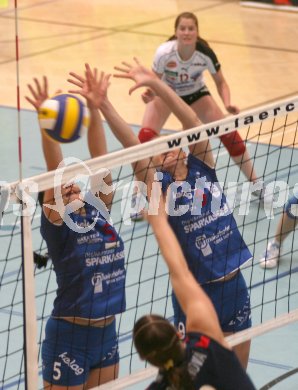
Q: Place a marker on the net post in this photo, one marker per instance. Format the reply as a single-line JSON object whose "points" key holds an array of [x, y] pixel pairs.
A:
{"points": [[30, 326]]}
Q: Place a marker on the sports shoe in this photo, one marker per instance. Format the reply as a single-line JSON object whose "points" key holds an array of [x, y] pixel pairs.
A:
{"points": [[137, 215], [271, 255]]}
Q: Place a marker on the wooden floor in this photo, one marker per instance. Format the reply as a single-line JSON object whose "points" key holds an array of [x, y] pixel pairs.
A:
{"points": [[258, 49]]}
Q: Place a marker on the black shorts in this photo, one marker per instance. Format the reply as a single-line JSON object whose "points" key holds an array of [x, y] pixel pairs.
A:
{"points": [[193, 97]]}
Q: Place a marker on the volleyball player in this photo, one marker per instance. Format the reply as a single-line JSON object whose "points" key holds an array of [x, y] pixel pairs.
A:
{"points": [[211, 242], [286, 224], [80, 349], [203, 357], [180, 62]]}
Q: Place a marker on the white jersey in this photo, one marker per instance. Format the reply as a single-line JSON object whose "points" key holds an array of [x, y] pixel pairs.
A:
{"points": [[185, 77]]}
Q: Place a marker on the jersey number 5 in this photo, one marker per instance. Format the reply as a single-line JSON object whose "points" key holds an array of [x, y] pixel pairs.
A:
{"points": [[57, 371]]}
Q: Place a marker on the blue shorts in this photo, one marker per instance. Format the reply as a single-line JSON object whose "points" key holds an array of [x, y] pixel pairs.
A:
{"points": [[292, 212], [231, 301], [70, 351]]}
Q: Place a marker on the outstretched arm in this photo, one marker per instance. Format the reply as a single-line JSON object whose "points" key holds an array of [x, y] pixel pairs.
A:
{"points": [[96, 135], [144, 77], [51, 150], [95, 92], [143, 169], [199, 311], [122, 131]]}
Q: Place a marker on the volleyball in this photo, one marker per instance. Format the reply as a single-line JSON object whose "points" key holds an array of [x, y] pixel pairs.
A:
{"points": [[64, 118]]}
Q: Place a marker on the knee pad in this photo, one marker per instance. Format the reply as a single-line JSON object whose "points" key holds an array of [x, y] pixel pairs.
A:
{"points": [[234, 143], [146, 134]]}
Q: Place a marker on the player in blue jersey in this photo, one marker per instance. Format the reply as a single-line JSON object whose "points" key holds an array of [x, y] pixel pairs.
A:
{"points": [[286, 224], [210, 239], [203, 357], [80, 349]]}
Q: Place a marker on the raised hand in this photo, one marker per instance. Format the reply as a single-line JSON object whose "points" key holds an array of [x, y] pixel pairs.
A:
{"points": [[93, 87], [39, 92], [138, 73], [80, 82]]}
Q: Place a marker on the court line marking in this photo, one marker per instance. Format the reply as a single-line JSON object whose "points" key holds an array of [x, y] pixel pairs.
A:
{"points": [[279, 379]]}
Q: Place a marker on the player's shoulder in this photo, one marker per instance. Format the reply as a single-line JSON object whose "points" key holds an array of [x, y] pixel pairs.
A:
{"points": [[204, 48], [167, 47]]}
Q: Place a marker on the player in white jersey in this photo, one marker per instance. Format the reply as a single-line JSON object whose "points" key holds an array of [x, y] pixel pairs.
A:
{"points": [[185, 77], [180, 62]]}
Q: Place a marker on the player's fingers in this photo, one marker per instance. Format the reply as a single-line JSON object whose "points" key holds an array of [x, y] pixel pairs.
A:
{"points": [[37, 86], [120, 69], [32, 91], [77, 76], [31, 101], [126, 64], [75, 82], [45, 84]]}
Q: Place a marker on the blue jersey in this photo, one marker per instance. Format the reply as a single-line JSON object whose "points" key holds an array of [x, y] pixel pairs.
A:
{"points": [[207, 231], [89, 266], [211, 364]]}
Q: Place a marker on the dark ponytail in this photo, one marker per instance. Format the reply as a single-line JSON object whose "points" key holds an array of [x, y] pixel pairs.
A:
{"points": [[157, 341], [188, 15], [179, 377]]}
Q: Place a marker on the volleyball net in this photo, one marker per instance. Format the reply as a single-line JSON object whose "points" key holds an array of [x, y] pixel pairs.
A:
{"points": [[28, 290]]}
